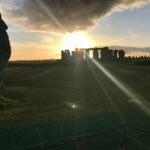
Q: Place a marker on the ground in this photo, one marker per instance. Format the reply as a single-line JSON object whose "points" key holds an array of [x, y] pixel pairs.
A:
{"points": [[50, 104]]}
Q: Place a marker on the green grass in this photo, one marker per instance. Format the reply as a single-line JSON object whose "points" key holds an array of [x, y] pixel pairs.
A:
{"points": [[43, 97]]}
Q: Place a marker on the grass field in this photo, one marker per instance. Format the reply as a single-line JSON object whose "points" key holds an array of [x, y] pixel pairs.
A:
{"points": [[50, 104]]}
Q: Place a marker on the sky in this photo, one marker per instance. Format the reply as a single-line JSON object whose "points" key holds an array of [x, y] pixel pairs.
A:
{"points": [[40, 29]]}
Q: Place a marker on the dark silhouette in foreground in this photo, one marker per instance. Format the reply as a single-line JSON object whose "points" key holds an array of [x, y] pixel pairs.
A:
{"points": [[5, 49]]}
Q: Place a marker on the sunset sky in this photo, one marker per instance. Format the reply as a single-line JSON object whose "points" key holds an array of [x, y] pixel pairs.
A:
{"points": [[40, 29]]}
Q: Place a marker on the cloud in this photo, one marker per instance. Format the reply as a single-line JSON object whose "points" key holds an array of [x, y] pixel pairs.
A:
{"points": [[64, 15]]}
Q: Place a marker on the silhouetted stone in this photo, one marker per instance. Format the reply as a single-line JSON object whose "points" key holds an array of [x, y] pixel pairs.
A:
{"points": [[87, 53], [106, 54], [115, 54], [121, 54], [95, 53], [62, 55], [65, 55]]}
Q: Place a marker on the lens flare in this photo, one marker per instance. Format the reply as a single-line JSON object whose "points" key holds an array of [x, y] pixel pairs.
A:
{"points": [[73, 105]]}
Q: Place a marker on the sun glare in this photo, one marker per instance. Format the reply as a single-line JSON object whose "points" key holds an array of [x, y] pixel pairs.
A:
{"points": [[76, 40]]}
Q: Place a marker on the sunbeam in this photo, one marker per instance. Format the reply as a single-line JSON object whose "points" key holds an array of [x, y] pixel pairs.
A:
{"points": [[50, 14], [105, 91], [130, 93]]}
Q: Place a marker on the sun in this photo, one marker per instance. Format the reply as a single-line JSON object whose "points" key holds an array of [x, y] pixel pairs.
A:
{"points": [[76, 40]]}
